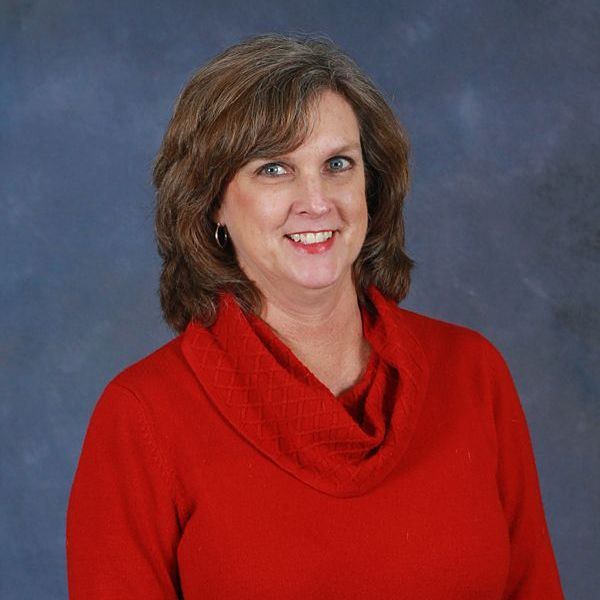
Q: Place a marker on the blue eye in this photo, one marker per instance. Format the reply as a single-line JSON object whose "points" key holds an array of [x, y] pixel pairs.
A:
{"points": [[272, 169], [339, 163]]}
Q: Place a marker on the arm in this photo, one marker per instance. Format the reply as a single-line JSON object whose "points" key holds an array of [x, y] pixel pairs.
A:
{"points": [[122, 520], [532, 570]]}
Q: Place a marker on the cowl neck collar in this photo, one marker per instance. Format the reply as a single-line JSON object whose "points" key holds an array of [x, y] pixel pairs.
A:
{"points": [[343, 446]]}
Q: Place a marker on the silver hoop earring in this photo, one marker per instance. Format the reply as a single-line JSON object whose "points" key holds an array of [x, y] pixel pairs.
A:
{"points": [[221, 239]]}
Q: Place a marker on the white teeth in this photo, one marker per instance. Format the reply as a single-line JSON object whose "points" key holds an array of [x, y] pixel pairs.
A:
{"points": [[311, 238]]}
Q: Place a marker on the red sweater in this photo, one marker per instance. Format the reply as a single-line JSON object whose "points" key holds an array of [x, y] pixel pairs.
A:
{"points": [[220, 467]]}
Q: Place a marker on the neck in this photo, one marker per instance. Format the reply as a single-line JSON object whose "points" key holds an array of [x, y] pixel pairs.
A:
{"points": [[325, 333], [318, 312]]}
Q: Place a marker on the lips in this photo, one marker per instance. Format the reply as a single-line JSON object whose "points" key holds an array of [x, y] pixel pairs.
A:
{"points": [[311, 237], [312, 242]]}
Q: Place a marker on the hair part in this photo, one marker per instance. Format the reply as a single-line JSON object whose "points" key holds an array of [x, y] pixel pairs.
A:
{"points": [[256, 99]]}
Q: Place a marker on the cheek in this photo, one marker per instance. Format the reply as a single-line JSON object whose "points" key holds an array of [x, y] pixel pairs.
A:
{"points": [[241, 213], [253, 221], [361, 219], [358, 207], [358, 197], [269, 215]]}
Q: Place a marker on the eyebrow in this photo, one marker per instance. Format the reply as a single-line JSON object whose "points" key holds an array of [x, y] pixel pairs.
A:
{"points": [[349, 147]]}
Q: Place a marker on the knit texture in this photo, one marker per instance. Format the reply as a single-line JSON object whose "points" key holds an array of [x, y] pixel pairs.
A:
{"points": [[290, 416], [220, 467]]}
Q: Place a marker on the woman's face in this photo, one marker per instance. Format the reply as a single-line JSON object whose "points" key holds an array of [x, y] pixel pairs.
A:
{"points": [[299, 220]]}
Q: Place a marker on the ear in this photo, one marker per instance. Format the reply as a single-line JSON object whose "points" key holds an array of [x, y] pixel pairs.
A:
{"points": [[217, 214]]}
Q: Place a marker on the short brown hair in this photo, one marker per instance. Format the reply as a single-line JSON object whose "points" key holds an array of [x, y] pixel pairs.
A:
{"points": [[254, 99]]}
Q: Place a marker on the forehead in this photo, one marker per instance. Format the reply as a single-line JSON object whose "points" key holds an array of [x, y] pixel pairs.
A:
{"points": [[332, 115], [330, 125]]}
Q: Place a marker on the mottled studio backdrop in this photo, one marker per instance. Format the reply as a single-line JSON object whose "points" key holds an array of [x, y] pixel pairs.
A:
{"points": [[502, 103]]}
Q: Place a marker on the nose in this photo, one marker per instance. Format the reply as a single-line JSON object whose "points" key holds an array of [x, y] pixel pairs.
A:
{"points": [[312, 197]]}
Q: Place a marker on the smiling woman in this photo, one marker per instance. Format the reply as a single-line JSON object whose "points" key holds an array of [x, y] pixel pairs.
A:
{"points": [[313, 194], [241, 123], [302, 436]]}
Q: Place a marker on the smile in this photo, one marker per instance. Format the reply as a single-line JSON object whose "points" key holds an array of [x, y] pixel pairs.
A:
{"points": [[308, 238]]}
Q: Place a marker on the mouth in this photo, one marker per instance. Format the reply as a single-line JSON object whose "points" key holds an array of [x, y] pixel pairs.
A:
{"points": [[307, 238]]}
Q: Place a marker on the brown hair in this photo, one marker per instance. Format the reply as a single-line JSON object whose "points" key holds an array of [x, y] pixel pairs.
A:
{"points": [[254, 99]]}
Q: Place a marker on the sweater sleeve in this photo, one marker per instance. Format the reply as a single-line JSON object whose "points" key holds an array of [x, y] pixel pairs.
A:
{"points": [[532, 570], [122, 519]]}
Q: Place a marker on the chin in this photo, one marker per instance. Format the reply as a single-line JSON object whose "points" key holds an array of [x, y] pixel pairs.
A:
{"points": [[315, 284], [317, 280]]}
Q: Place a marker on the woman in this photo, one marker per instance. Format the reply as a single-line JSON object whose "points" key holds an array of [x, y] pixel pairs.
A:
{"points": [[302, 436]]}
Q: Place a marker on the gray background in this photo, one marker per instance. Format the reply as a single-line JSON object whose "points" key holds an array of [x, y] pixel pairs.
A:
{"points": [[502, 103]]}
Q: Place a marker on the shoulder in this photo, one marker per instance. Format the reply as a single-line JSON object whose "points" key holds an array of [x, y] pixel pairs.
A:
{"points": [[457, 351], [151, 399], [441, 338], [158, 382], [442, 344], [162, 366], [467, 366], [463, 354]]}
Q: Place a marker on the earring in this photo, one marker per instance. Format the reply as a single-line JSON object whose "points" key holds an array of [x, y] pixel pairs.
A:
{"points": [[221, 239]]}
